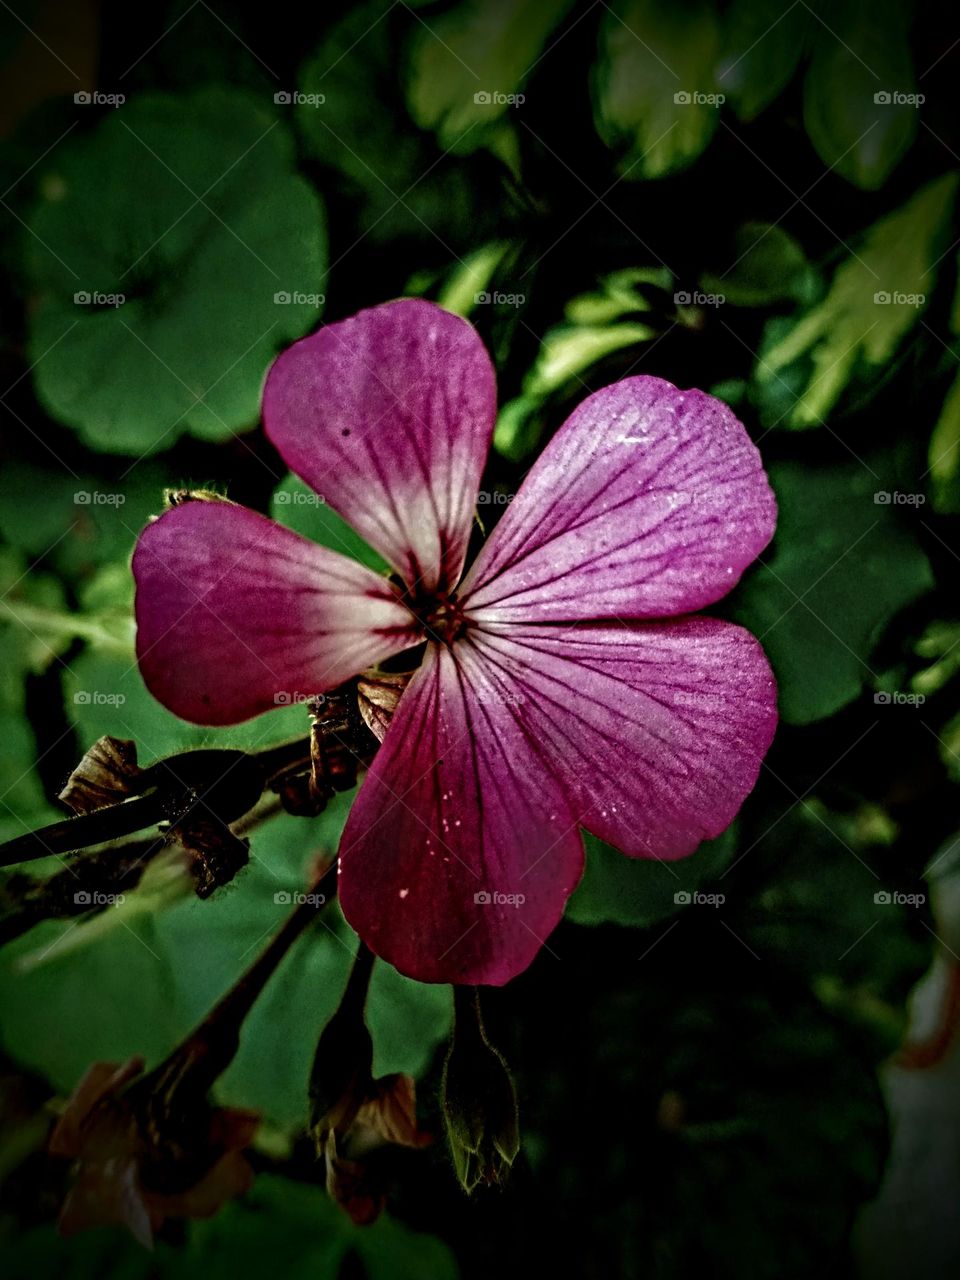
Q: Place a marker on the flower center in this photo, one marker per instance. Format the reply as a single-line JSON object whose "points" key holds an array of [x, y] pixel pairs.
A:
{"points": [[442, 618]]}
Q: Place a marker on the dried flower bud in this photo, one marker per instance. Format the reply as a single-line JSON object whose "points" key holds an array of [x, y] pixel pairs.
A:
{"points": [[130, 1171], [351, 1114]]}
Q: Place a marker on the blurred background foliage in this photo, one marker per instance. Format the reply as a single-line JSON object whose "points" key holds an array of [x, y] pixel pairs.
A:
{"points": [[745, 197]]}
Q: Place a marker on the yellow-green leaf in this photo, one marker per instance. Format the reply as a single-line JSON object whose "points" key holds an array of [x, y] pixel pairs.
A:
{"points": [[877, 295], [468, 67], [654, 86]]}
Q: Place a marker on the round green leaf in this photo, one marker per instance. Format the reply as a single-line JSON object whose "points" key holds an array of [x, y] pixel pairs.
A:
{"points": [[616, 889], [842, 564], [172, 253], [295, 505]]}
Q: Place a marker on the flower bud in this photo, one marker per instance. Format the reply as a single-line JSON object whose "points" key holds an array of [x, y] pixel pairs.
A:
{"points": [[343, 1062], [479, 1101]]}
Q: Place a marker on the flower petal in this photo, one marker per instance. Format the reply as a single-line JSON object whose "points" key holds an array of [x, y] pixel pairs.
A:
{"points": [[460, 850], [388, 415], [236, 614], [648, 502], [656, 730]]}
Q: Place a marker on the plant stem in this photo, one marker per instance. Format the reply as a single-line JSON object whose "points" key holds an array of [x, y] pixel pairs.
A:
{"points": [[217, 1038]]}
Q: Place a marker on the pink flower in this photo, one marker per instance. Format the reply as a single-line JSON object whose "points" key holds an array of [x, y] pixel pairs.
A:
{"points": [[560, 686]]}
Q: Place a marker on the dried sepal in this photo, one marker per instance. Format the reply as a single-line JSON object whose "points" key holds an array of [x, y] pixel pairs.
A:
{"points": [[378, 695], [216, 853], [107, 774], [339, 743]]}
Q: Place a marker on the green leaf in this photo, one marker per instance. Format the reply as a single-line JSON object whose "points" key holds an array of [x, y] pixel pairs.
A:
{"points": [[468, 66], [157, 978], [406, 186], [568, 351], [853, 95], [598, 324], [27, 646], [826, 915], [204, 246], [876, 297], [654, 88], [297, 1231], [763, 42], [84, 520], [620, 295], [843, 563], [520, 426], [769, 266], [27, 597], [296, 505], [944, 454], [616, 889], [105, 693], [407, 1020], [155, 982], [716, 1079], [468, 282], [281, 1227]]}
